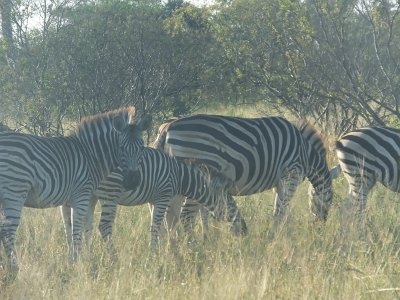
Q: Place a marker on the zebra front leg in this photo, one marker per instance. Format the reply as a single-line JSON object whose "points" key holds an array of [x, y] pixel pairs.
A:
{"points": [[108, 214], [156, 223], [67, 221], [89, 221], [79, 213], [284, 193], [238, 224], [10, 214]]}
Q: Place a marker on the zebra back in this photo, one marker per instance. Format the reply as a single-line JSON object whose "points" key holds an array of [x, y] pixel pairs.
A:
{"points": [[371, 153]]}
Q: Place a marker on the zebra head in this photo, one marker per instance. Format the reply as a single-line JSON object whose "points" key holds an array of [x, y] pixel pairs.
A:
{"points": [[131, 148], [225, 206], [320, 189], [320, 196]]}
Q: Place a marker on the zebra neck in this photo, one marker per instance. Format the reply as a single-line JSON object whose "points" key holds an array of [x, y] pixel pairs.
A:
{"points": [[102, 162], [320, 177]]}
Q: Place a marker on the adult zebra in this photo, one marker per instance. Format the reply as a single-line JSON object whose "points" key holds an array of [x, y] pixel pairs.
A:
{"points": [[42, 172], [254, 154], [161, 179], [366, 156]]}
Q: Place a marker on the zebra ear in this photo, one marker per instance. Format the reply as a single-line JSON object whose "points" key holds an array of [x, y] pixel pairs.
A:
{"points": [[119, 123], [335, 171], [145, 122]]}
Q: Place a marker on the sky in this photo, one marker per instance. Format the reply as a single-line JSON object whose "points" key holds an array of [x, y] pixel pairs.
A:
{"points": [[201, 2]]}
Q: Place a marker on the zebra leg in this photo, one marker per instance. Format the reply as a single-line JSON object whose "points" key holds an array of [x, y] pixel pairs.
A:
{"points": [[204, 215], [188, 215], [238, 224], [89, 220], [108, 213], [358, 193], [10, 215], [79, 213], [360, 182], [67, 221], [156, 223], [172, 216], [284, 192]]}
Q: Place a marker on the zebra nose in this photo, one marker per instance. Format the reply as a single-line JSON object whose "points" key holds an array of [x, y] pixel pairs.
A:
{"points": [[131, 180]]}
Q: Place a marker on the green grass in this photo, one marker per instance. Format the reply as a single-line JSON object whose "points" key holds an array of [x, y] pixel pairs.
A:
{"points": [[302, 262]]}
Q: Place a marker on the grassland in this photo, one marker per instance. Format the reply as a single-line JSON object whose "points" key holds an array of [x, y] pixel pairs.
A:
{"points": [[303, 262]]}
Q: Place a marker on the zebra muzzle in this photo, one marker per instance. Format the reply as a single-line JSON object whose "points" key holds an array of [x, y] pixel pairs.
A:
{"points": [[131, 180]]}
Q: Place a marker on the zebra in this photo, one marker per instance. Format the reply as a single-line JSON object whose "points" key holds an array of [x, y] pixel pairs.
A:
{"points": [[366, 156], [161, 178], [255, 154], [42, 172]]}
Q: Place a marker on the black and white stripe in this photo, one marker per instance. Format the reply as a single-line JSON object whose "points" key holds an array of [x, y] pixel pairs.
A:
{"points": [[161, 179], [254, 154], [366, 156], [42, 172]]}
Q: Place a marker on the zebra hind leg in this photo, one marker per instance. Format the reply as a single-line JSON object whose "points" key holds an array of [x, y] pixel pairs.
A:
{"points": [[157, 217], [172, 219], [358, 201]]}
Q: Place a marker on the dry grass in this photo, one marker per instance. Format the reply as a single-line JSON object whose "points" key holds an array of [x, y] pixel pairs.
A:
{"points": [[303, 262]]}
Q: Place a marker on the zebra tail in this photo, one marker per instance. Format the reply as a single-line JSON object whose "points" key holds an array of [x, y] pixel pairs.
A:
{"points": [[159, 143]]}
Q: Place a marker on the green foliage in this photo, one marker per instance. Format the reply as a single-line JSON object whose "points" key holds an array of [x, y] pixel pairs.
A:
{"points": [[333, 61]]}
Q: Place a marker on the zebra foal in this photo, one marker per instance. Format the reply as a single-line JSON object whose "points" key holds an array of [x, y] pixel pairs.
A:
{"points": [[366, 156], [255, 154], [42, 172], [161, 178]]}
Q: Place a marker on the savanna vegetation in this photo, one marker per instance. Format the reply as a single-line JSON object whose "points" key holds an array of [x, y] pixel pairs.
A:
{"points": [[336, 63], [302, 262]]}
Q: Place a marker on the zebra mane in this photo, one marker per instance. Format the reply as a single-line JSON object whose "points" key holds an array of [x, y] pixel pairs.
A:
{"points": [[129, 114], [312, 136]]}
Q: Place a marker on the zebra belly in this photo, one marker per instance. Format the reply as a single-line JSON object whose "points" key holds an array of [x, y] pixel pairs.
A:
{"points": [[132, 198], [37, 199]]}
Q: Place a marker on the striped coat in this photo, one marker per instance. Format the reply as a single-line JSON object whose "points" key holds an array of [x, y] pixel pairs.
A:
{"points": [[254, 154], [42, 172]]}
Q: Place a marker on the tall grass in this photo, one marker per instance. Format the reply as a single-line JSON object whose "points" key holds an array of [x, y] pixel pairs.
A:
{"points": [[304, 261]]}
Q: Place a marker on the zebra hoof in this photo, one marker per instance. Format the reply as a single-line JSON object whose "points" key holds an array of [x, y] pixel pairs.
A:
{"points": [[10, 275], [239, 228]]}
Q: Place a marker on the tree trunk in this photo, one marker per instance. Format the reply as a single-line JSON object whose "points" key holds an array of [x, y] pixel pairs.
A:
{"points": [[6, 25]]}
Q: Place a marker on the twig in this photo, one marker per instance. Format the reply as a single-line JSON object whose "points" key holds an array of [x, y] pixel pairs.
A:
{"points": [[384, 290]]}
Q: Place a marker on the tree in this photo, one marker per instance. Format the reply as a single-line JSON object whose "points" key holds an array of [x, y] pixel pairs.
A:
{"points": [[327, 59]]}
